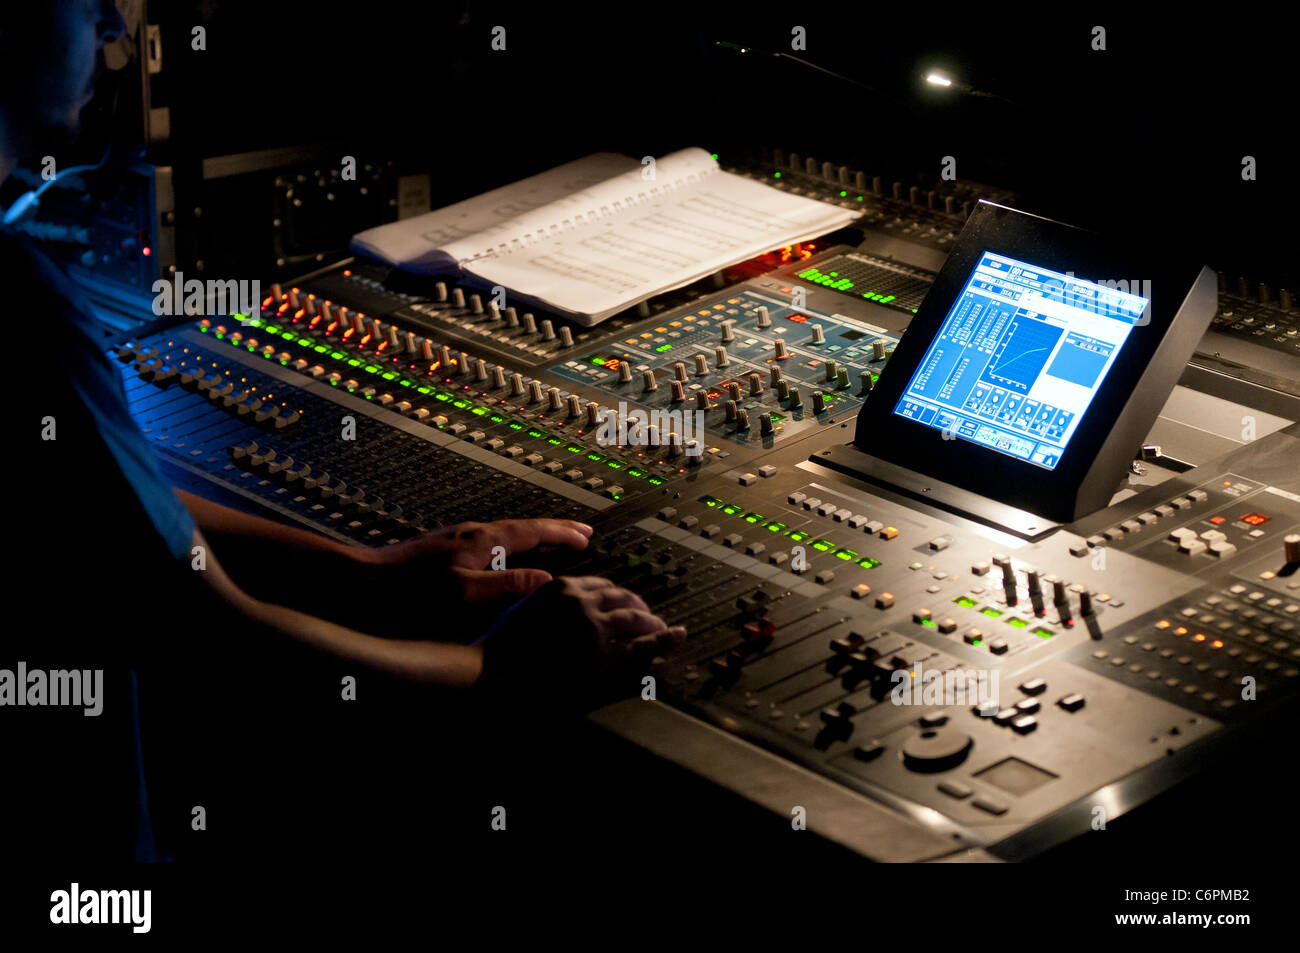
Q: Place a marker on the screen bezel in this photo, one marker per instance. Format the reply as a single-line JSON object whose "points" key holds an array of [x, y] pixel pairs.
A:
{"points": [[1050, 245]]}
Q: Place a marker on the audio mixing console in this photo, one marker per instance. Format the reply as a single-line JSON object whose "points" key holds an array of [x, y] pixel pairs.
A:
{"points": [[1111, 653]]}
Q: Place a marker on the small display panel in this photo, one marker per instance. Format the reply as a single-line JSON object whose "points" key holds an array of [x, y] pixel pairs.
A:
{"points": [[1020, 357]]}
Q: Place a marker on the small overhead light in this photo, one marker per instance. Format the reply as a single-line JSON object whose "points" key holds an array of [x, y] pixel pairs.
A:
{"points": [[935, 78]]}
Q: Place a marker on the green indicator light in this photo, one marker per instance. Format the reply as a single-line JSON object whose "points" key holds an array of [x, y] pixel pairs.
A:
{"points": [[842, 194], [389, 376], [220, 336], [497, 419], [598, 361], [993, 613], [371, 368], [775, 527], [478, 411], [320, 349], [272, 329], [288, 335], [868, 563], [424, 390], [634, 471], [663, 347], [930, 622], [798, 535], [655, 481], [709, 501], [835, 274], [516, 425], [1017, 623], [306, 342], [337, 355], [978, 643], [595, 457], [823, 545], [731, 509], [776, 417], [754, 518], [859, 198], [441, 396], [965, 601], [539, 434], [1044, 633], [405, 383], [460, 404], [847, 555], [888, 298], [776, 174], [715, 157], [575, 448], [554, 441], [615, 464], [354, 363]]}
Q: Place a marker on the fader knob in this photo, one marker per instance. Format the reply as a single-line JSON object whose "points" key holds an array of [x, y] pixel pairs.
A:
{"points": [[530, 323], [512, 317], [624, 373], [764, 319], [679, 392], [548, 330], [701, 365], [516, 385], [492, 312], [593, 414], [774, 370], [765, 425], [498, 378], [733, 391], [819, 402], [832, 368], [878, 350], [444, 358], [742, 419], [720, 358], [865, 382], [842, 378], [818, 336], [756, 384], [1291, 547], [480, 370], [730, 408], [476, 304], [574, 407], [701, 400], [795, 399], [566, 336], [648, 382], [408, 342], [426, 350], [778, 349], [463, 363], [553, 401], [679, 371], [534, 391], [457, 298], [728, 334], [440, 291]]}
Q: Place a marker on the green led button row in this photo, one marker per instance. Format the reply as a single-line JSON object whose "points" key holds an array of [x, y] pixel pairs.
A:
{"points": [[1015, 622]]}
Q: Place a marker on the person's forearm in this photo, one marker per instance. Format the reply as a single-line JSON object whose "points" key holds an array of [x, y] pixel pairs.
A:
{"points": [[430, 663], [229, 525]]}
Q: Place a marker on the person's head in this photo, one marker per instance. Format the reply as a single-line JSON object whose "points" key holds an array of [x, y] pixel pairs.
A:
{"points": [[51, 52]]}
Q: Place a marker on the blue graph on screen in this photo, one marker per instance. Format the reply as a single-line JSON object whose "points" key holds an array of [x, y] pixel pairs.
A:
{"points": [[1021, 354]]}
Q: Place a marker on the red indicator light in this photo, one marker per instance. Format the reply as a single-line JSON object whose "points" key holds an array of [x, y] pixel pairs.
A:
{"points": [[797, 318], [146, 251], [1216, 520], [1255, 519]]}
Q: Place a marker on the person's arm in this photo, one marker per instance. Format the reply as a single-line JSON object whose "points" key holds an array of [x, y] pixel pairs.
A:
{"points": [[565, 626], [424, 662]]}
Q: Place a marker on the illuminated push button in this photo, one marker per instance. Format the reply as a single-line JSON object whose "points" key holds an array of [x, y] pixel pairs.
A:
{"points": [[888, 532], [885, 600], [971, 636], [1035, 686], [860, 591], [1072, 702]]}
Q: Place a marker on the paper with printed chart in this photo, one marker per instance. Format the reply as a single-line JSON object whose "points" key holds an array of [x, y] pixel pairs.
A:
{"points": [[592, 251]]}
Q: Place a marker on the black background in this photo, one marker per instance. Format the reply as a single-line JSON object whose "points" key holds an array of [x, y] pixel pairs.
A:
{"points": [[1144, 138]]}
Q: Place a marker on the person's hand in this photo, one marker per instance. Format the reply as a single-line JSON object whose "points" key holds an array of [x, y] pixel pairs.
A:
{"points": [[467, 550], [579, 625]]}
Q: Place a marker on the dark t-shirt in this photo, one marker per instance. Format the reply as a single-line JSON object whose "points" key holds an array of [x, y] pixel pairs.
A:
{"points": [[98, 542]]}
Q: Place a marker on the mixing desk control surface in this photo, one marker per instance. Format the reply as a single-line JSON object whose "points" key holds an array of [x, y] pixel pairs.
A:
{"points": [[958, 686]]}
